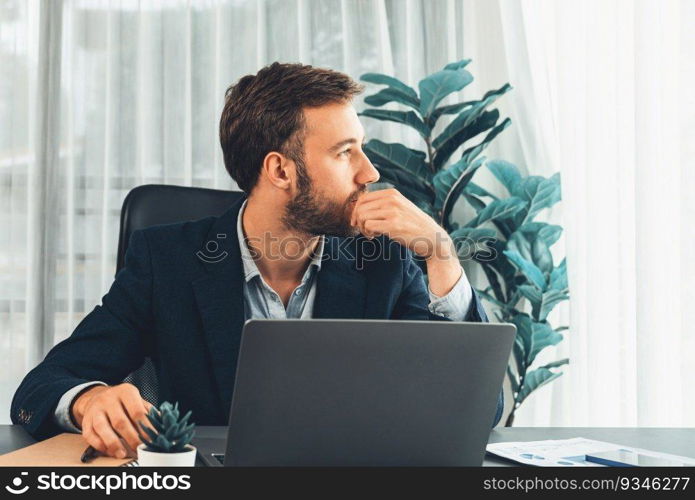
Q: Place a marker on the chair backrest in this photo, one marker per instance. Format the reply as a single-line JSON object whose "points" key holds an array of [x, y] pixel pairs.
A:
{"points": [[154, 204]]}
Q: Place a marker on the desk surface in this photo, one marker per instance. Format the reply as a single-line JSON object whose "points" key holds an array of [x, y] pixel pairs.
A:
{"points": [[676, 441]]}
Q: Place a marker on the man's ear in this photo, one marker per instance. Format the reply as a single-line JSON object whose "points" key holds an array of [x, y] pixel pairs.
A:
{"points": [[278, 170]]}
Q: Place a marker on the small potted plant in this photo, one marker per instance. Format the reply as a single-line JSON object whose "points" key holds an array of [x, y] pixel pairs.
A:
{"points": [[169, 438]]}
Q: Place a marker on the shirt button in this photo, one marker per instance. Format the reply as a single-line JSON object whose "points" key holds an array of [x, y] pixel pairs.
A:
{"points": [[297, 291]]}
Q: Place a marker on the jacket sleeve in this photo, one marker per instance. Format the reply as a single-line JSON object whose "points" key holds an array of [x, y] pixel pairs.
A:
{"points": [[412, 304], [108, 344]]}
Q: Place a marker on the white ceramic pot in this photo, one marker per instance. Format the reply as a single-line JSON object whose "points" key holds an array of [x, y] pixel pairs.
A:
{"points": [[156, 459]]}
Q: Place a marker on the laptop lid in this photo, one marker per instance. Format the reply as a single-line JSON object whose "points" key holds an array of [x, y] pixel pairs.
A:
{"points": [[366, 392]]}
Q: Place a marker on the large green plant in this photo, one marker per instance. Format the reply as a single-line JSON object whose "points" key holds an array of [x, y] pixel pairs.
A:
{"points": [[515, 251], [520, 269]]}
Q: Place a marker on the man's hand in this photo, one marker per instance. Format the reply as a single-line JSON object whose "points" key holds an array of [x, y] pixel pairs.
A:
{"points": [[389, 212], [107, 414]]}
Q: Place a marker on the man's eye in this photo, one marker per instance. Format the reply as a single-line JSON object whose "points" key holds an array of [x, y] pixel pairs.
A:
{"points": [[345, 152]]}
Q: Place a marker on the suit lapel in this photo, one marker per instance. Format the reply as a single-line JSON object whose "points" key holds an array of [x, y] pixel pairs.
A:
{"points": [[219, 296]]}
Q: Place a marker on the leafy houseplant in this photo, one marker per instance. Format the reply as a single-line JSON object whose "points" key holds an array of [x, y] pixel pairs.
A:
{"points": [[515, 253], [169, 438], [519, 265]]}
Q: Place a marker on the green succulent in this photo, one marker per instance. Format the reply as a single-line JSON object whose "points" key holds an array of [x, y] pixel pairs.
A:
{"points": [[171, 434]]}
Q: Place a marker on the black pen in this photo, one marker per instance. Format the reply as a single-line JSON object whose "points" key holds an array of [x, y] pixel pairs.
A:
{"points": [[89, 454]]}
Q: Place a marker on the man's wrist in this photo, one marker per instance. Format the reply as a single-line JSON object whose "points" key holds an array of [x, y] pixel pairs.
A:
{"points": [[77, 407], [442, 250], [443, 267]]}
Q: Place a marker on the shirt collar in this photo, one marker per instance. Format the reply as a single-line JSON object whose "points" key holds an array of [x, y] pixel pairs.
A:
{"points": [[250, 268]]}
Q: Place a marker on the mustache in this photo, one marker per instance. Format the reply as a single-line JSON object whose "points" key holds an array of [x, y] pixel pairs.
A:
{"points": [[357, 193]]}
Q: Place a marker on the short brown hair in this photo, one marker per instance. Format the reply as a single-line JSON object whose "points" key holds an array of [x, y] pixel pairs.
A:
{"points": [[263, 113]]}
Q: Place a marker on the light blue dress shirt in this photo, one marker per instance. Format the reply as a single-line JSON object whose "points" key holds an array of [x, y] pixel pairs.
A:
{"points": [[261, 301]]}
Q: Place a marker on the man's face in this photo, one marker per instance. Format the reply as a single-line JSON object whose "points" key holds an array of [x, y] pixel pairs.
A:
{"points": [[334, 171]]}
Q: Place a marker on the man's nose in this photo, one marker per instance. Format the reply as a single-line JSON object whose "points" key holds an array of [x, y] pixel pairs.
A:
{"points": [[368, 173]]}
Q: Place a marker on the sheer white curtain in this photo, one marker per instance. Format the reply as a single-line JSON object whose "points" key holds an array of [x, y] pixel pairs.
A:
{"points": [[603, 96], [98, 96]]}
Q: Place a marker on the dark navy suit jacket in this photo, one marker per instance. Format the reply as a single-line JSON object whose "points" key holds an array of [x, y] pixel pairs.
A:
{"points": [[182, 306]]}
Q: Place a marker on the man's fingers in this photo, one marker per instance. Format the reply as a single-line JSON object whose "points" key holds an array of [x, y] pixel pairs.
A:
{"points": [[124, 427], [375, 227], [361, 204], [378, 195], [376, 214], [136, 408], [102, 427], [91, 437]]}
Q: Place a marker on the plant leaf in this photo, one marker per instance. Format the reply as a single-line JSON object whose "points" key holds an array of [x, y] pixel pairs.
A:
{"points": [[449, 109], [541, 255], [473, 234], [395, 83], [558, 277], [410, 186], [524, 331], [550, 299], [518, 243], [471, 238], [437, 86], [547, 232], [493, 278], [543, 336], [448, 197], [519, 354], [498, 209], [149, 432], [456, 65], [491, 299], [473, 188], [535, 379], [389, 94], [458, 132], [470, 114], [541, 193], [533, 294], [528, 269], [531, 248], [405, 117], [475, 202], [506, 173], [501, 265], [512, 379], [397, 155], [161, 444], [474, 151], [557, 363]]}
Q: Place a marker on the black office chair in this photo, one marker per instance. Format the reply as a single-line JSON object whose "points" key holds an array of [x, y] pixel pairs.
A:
{"points": [[154, 204]]}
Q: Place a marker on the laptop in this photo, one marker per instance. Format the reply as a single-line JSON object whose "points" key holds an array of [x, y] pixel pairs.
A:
{"points": [[363, 393]]}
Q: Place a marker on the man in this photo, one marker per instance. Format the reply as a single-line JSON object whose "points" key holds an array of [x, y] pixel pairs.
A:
{"points": [[294, 248]]}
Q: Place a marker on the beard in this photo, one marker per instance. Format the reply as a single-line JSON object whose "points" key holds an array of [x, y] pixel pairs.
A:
{"points": [[312, 214]]}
